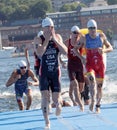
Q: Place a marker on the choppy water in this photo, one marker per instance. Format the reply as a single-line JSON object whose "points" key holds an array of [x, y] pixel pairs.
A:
{"points": [[7, 95]]}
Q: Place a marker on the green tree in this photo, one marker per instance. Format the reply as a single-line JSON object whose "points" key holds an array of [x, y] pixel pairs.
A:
{"points": [[71, 7], [65, 7], [40, 8], [23, 9], [22, 12]]}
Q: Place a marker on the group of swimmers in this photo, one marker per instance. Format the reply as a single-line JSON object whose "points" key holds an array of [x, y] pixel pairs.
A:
{"points": [[86, 73]]}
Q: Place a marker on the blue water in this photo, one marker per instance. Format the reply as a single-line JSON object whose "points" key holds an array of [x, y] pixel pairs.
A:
{"points": [[7, 95]]}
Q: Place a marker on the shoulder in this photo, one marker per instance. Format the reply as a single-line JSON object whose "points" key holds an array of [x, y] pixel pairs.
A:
{"points": [[102, 35], [38, 40], [67, 41], [82, 38], [14, 73], [59, 36], [30, 72]]}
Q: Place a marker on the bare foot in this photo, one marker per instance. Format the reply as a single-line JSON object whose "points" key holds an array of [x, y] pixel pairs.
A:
{"points": [[82, 109], [91, 107], [47, 127], [97, 109], [58, 109], [75, 104]]}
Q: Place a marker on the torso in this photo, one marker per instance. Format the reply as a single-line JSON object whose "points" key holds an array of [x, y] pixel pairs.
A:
{"points": [[22, 82], [73, 60], [94, 59], [49, 61]]}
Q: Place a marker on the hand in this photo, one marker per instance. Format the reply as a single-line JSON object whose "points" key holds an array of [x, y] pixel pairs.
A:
{"points": [[100, 50], [64, 65], [30, 83], [47, 34], [53, 34], [36, 41]]}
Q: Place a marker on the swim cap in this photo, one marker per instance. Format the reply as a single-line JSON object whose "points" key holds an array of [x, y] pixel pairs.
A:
{"points": [[91, 23], [75, 29], [47, 22], [22, 63], [40, 33]]}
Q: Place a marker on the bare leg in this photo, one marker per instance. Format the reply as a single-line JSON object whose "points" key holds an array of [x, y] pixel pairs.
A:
{"points": [[57, 101], [99, 97], [86, 91], [20, 104], [92, 89], [86, 95], [29, 99], [81, 87], [77, 94], [71, 91], [45, 107]]}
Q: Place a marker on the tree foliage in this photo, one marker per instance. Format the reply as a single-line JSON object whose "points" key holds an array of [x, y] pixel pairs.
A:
{"points": [[71, 7], [23, 9]]}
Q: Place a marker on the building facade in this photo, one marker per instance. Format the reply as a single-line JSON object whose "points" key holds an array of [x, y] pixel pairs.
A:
{"points": [[19, 36], [63, 21], [106, 17]]}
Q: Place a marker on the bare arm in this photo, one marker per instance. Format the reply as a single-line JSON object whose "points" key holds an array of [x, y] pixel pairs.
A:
{"points": [[34, 78], [27, 57], [26, 51], [42, 47], [13, 78], [77, 47], [59, 42], [108, 47], [63, 63]]}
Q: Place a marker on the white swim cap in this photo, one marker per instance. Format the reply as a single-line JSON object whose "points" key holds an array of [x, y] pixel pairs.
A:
{"points": [[22, 63], [75, 29], [91, 23], [40, 33], [47, 22]]}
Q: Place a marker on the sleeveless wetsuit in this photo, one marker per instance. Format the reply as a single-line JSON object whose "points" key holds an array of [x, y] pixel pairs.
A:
{"points": [[50, 69], [75, 67], [95, 62], [21, 85]]}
